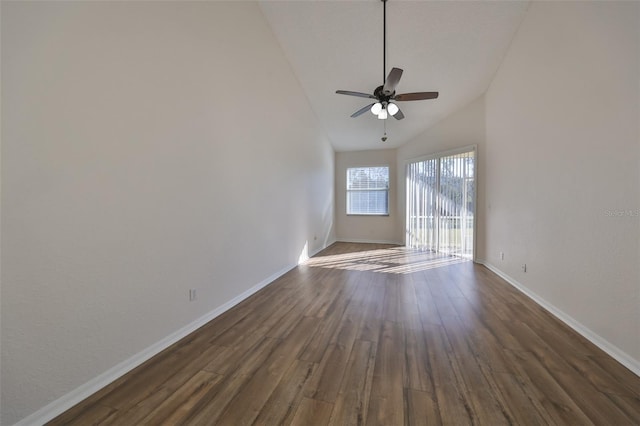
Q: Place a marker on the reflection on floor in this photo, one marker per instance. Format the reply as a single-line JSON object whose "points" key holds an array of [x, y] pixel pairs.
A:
{"points": [[387, 259]]}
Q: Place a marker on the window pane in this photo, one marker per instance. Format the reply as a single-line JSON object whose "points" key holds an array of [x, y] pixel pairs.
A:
{"points": [[368, 190], [367, 202], [368, 178]]}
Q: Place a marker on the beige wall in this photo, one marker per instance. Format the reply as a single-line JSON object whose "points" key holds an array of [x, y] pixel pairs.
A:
{"points": [[562, 172], [462, 128], [137, 163], [366, 228]]}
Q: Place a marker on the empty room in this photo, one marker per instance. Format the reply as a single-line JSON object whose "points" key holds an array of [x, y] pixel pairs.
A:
{"points": [[375, 212]]}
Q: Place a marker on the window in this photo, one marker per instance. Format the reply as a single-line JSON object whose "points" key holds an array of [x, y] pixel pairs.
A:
{"points": [[441, 203], [368, 190]]}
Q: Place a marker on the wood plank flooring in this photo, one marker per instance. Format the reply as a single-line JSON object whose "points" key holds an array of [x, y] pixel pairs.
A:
{"points": [[375, 335]]}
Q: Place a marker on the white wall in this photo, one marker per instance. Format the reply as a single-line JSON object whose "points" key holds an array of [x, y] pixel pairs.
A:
{"points": [[462, 128], [562, 157], [147, 148], [366, 228]]}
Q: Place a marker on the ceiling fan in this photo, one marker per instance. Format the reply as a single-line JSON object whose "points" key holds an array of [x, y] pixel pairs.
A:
{"points": [[385, 95]]}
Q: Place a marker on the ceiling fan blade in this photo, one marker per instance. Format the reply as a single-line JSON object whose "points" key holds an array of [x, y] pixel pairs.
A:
{"points": [[392, 81], [417, 96], [398, 115], [362, 110], [359, 94]]}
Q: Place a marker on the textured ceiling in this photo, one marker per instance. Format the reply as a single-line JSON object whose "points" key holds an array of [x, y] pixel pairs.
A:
{"points": [[453, 47]]}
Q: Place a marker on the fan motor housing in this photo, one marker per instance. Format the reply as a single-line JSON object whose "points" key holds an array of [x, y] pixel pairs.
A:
{"points": [[379, 93]]}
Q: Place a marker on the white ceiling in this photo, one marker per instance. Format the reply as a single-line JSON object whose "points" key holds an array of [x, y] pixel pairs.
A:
{"points": [[453, 47]]}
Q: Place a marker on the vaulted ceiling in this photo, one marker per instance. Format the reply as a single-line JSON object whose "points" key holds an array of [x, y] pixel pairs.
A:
{"points": [[453, 47]]}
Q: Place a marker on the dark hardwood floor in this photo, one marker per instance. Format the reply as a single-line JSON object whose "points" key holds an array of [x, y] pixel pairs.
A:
{"points": [[373, 334]]}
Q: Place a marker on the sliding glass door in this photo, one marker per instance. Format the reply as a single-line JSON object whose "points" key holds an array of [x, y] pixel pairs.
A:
{"points": [[441, 203]]}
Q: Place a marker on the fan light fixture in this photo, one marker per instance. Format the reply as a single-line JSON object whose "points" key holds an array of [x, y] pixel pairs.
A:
{"points": [[382, 95]]}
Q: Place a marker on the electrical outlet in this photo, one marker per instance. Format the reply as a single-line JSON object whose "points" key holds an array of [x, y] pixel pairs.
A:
{"points": [[192, 294], [501, 255], [524, 268]]}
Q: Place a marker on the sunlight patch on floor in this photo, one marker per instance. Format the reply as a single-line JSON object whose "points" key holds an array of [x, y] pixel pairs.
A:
{"points": [[397, 260]]}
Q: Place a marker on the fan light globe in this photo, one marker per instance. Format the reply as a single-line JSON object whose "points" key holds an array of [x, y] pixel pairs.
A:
{"points": [[376, 108], [382, 115], [392, 108]]}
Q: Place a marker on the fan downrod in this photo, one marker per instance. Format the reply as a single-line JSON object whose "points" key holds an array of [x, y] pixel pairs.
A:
{"points": [[385, 95]]}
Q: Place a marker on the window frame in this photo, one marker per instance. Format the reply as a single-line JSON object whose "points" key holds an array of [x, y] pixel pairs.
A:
{"points": [[385, 190]]}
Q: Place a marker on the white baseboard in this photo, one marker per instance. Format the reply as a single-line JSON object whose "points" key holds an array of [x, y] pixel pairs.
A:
{"points": [[615, 352], [60, 405], [350, 240]]}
